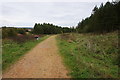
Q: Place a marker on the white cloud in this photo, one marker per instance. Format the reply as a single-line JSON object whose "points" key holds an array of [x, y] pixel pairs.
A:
{"points": [[55, 0], [58, 13]]}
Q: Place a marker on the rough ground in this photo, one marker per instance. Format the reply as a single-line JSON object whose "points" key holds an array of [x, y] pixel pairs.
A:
{"points": [[43, 61]]}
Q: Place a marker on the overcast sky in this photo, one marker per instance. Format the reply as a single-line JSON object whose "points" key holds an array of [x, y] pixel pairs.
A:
{"points": [[63, 13]]}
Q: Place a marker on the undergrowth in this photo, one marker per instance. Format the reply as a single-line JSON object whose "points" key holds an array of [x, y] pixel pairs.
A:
{"points": [[90, 55], [12, 51]]}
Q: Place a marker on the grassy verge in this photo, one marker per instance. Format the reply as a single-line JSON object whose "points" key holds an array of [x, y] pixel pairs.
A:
{"points": [[12, 51], [90, 56]]}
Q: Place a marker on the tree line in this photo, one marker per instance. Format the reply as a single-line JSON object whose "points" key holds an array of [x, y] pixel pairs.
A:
{"points": [[105, 18], [47, 28]]}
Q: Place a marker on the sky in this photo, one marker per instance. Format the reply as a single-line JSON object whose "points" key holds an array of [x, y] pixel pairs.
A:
{"points": [[24, 13]]}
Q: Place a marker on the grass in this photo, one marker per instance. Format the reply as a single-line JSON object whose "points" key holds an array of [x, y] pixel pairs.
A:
{"points": [[90, 55], [12, 51]]}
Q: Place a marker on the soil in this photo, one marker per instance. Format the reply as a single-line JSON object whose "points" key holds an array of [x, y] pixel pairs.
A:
{"points": [[43, 61]]}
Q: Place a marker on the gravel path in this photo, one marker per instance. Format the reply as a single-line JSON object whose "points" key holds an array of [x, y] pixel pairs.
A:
{"points": [[43, 61]]}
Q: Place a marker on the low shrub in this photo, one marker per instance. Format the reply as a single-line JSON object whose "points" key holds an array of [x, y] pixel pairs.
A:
{"points": [[22, 38]]}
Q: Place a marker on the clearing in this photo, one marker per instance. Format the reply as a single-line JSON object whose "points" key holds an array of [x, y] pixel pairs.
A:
{"points": [[43, 61]]}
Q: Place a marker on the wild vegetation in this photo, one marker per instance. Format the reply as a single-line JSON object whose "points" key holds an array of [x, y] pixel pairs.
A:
{"points": [[106, 18], [90, 55], [12, 51], [8, 32], [94, 52], [47, 28], [89, 51], [15, 43]]}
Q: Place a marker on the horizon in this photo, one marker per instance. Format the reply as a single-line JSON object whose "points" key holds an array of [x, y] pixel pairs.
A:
{"points": [[26, 14]]}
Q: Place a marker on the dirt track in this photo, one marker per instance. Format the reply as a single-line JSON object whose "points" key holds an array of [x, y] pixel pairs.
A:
{"points": [[43, 61]]}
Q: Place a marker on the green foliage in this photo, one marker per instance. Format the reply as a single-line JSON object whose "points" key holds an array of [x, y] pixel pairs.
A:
{"points": [[12, 51], [90, 55], [47, 28], [103, 19], [21, 31], [22, 38], [8, 32]]}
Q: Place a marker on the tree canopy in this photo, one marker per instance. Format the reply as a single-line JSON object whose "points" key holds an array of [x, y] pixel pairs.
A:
{"points": [[103, 19], [47, 28]]}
